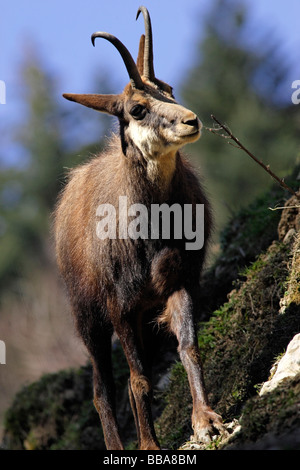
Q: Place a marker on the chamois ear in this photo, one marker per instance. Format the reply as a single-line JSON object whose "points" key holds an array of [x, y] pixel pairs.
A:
{"points": [[110, 104], [140, 57]]}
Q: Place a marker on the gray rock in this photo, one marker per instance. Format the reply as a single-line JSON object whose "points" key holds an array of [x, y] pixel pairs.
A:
{"points": [[288, 366]]}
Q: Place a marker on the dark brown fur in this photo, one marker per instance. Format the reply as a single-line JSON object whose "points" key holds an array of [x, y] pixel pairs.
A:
{"points": [[125, 285]]}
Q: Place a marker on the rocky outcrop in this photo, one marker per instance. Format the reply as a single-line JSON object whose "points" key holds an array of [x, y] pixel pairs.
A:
{"points": [[286, 368], [241, 343]]}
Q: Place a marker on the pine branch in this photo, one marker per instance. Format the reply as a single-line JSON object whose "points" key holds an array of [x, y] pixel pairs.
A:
{"points": [[239, 145]]}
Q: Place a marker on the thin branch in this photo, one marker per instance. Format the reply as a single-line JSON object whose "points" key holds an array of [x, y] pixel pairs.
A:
{"points": [[284, 207], [242, 147]]}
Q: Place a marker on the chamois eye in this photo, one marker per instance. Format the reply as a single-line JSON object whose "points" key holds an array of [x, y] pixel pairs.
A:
{"points": [[138, 111]]}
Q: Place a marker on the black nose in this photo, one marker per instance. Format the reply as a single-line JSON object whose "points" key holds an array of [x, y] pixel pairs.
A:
{"points": [[192, 123]]}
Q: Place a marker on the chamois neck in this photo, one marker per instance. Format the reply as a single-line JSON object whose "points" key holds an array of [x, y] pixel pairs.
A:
{"points": [[158, 169], [158, 173]]}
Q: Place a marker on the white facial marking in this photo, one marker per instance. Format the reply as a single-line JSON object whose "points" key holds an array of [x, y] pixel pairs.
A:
{"points": [[160, 162], [144, 138], [159, 144]]}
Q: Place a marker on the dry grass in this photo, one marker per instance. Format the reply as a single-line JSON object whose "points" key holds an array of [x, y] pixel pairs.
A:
{"points": [[38, 331]]}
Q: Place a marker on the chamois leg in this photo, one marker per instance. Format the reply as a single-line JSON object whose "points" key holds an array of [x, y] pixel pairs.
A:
{"points": [[140, 389], [134, 411], [104, 399], [97, 339], [179, 314]]}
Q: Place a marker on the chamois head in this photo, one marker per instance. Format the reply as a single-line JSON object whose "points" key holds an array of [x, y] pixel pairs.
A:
{"points": [[147, 110]]}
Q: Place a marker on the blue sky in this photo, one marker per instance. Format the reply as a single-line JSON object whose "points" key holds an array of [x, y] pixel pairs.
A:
{"points": [[60, 30]]}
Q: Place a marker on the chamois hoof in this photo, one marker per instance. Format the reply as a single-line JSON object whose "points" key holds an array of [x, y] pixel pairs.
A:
{"points": [[209, 426]]}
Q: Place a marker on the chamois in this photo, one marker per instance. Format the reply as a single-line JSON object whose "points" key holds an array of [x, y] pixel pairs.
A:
{"points": [[127, 284]]}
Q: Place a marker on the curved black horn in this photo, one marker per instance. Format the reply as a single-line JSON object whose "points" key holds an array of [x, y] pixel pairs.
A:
{"points": [[148, 51], [130, 65]]}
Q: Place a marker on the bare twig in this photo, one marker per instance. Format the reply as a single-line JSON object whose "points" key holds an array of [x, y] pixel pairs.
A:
{"points": [[239, 145], [284, 207]]}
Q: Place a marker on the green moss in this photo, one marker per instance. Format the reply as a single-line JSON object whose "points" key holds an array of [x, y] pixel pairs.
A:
{"points": [[292, 293], [275, 412], [238, 343], [52, 412], [247, 332], [256, 222], [246, 236], [255, 226], [57, 412], [174, 423]]}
